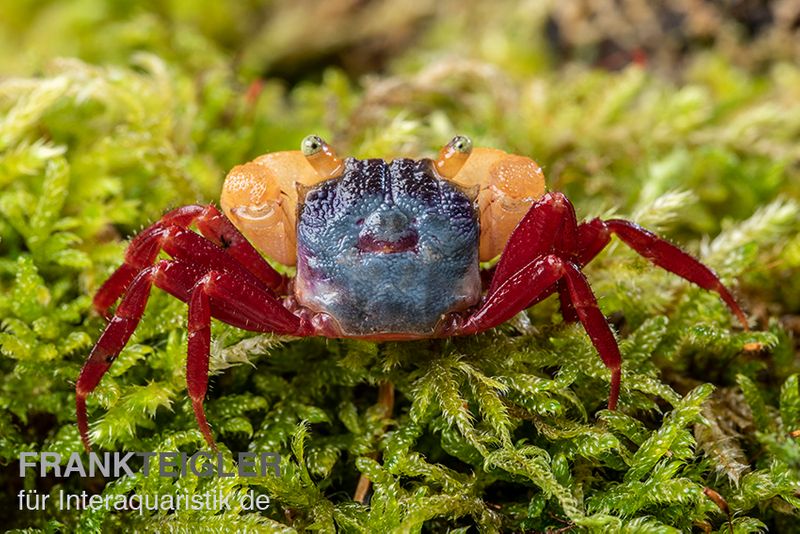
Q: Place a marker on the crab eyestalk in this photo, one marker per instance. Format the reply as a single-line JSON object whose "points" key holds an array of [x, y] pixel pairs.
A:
{"points": [[453, 156], [321, 156]]}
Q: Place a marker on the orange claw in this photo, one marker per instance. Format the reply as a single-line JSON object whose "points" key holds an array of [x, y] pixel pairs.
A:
{"points": [[260, 197], [509, 184]]}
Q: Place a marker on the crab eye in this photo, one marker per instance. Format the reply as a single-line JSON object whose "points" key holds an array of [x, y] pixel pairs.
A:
{"points": [[462, 144], [453, 156], [321, 156], [312, 144]]}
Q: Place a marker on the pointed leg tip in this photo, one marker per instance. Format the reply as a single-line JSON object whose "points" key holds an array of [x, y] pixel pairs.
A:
{"points": [[742, 319], [737, 311], [83, 421], [205, 429], [613, 395]]}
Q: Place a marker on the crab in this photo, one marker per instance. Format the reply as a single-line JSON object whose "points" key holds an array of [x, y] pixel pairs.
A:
{"points": [[383, 250]]}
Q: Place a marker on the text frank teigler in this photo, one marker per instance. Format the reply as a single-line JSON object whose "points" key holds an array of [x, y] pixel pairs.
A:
{"points": [[162, 464]]}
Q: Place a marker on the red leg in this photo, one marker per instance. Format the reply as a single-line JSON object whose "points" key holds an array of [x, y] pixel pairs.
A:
{"points": [[229, 297], [595, 235], [111, 342], [141, 253], [594, 322], [546, 252], [527, 285], [199, 322], [548, 227], [535, 236], [514, 294], [145, 247], [192, 248], [216, 227], [567, 309], [195, 256], [525, 275]]}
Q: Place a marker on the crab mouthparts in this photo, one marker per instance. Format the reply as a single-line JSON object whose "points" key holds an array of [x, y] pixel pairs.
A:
{"points": [[370, 243], [387, 230]]}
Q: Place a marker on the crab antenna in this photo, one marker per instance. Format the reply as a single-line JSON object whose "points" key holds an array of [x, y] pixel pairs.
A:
{"points": [[321, 156], [453, 156]]}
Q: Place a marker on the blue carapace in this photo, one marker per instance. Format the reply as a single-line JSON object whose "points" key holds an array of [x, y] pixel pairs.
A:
{"points": [[387, 247]]}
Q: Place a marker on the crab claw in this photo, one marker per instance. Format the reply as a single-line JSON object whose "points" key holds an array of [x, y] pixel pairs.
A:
{"points": [[260, 197], [508, 184]]}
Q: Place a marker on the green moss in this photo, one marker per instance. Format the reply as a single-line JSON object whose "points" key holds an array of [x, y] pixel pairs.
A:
{"points": [[505, 430]]}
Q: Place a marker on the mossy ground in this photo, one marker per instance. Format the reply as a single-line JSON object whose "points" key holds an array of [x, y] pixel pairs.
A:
{"points": [[503, 431]]}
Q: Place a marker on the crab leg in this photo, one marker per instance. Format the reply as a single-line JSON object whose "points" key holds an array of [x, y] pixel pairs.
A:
{"points": [[199, 347], [549, 226], [540, 258], [535, 279], [568, 311], [233, 298], [594, 322], [227, 296], [217, 228], [594, 235], [535, 236], [515, 294], [144, 249], [111, 342], [141, 253]]}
